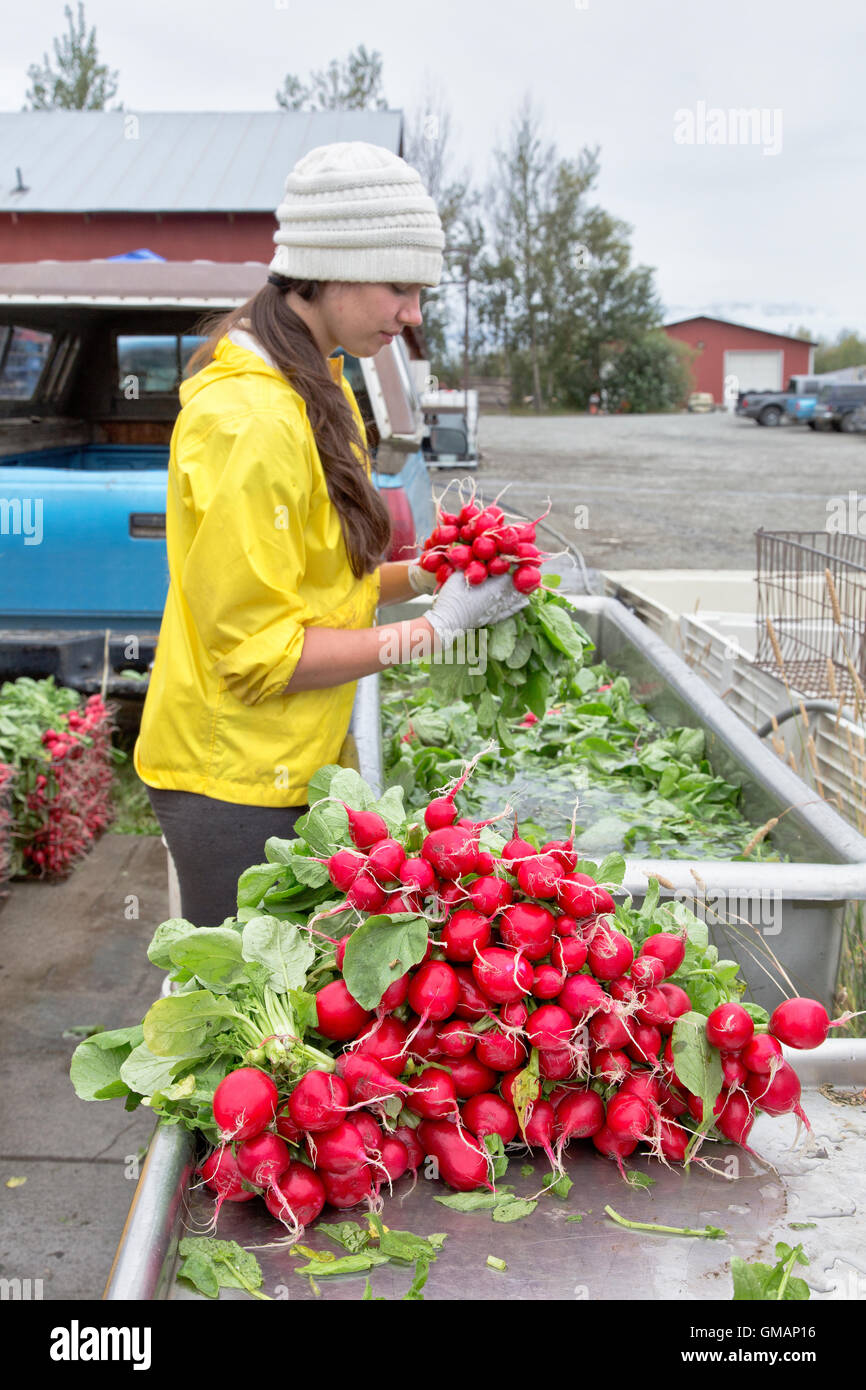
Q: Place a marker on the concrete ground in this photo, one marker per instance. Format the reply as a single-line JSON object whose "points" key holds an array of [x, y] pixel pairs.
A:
{"points": [[71, 957], [666, 491]]}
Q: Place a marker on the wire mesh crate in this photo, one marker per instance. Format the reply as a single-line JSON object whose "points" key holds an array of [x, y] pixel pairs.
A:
{"points": [[811, 611]]}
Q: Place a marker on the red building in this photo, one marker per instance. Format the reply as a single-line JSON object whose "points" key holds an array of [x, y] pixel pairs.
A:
{"points": [[749, 359]]}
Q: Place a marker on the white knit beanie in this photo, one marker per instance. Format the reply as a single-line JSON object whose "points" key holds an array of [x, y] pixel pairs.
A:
{"points": [[354, 211]]}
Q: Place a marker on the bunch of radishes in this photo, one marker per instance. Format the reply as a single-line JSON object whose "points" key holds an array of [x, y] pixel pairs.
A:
{"points": [[481, 542], [530, 1016]]}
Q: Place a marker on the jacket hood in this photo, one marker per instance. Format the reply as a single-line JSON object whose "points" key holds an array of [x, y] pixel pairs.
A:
{"points": [[230, 360]]}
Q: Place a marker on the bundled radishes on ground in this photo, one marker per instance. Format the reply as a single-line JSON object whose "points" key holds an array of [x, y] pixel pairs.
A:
{"points": [[454, 998], [59, 747]]}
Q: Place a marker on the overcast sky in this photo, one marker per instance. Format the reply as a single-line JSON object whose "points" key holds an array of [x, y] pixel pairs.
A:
{"points": [[767, 231]]}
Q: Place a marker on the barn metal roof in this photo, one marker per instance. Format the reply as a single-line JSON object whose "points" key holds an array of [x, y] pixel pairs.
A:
{"points": [[150, 283], [749, 327], [168, 161]]}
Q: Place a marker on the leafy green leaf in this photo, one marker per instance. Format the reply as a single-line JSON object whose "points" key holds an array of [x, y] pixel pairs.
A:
{"points": [[348, 1264], [697, 1063], [212, 1264], [96, 1063], [165, 936], [213, 955], [255, 881], [144, 1072], [514, 1210], [349, 1234], [284, 951], [470, 1201], [560, 630], [380, 951], [181, 1025]]}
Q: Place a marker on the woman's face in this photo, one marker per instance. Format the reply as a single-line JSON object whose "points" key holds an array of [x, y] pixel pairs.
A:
{"points": [[361, 318]]}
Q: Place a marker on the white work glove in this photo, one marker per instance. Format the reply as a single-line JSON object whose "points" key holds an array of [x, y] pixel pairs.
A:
{"points": [[422, 581], [460, 607]]}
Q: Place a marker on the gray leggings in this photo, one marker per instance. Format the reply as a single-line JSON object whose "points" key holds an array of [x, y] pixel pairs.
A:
{"points": [[212, 842]]}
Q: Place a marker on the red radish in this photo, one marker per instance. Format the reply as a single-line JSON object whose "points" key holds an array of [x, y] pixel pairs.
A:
{"points": [[221, 1173], [679, 1002], [485, 864], [465, 931], [528, 928], [526, 578], [417, 873], [617, 1146], [556, 1065], [424, 1040], [610, 1030], [763, 1054], [670, 1101], [460, 556], [653, 1009], [451, 894], [365, 827], [339, 1017], [456, 1039], [582, 996], [624, 989], [734, 1070], [668, 948], [395, 995], [735, 1118], [337, 1150], [394, 1158], [489, 894], [400, 902], [777, 1094], [440, 812], [549, 1028], [514, 1014], [563, 852], [298, 1197], [343, 1190], [468, 512], [610, 954], [645, 1043], [367, 1079], [344, 867], [569, 955], [448, 519], [286, 1127], [319, 1101], [472, 1002], [502, 975], [447, 534], [526, 550], [579, 1115], [371, 1134], [263, 1159], [506, 1084], [385, 861], [244, 1103], [501, 1051], [498, 565], [433, 991], [484, 549], [430, 561], [628, 1116], [517, 849], [565, 925], [547, 982], [461, 1159], [385, 1040], [576, 895], [451, 851], [488, 1113], [673, 1140], [800, 1023], [647, 971], [409, 1139], [643, 1084], [340, 951], [471, 1076], [610, 1064], [432, 1095], [365, 893], [730, 1027], [476, 572], [444, 572], [538, 1129], [538, 877], [508, 539]]}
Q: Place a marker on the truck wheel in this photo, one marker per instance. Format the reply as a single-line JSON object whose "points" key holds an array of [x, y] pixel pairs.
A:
{"points": [[848, 425], [770, 416], [811, 424]]}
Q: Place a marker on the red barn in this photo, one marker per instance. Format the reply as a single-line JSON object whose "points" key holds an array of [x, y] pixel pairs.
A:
{"points": [[755, 357]]}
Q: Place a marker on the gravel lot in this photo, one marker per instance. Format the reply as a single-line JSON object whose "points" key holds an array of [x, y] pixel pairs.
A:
{"points": [[666, 491]]}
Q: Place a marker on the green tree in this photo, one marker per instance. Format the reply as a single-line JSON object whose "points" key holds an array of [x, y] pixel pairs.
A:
{"points": [[355, 85], [849, 350], [78, 82], [650, 373]]}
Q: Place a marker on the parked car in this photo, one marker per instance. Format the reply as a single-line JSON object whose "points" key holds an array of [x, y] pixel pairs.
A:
{"points": [[91, 356], [700, 401], [451, 428], [770, 407], [836, 406]]}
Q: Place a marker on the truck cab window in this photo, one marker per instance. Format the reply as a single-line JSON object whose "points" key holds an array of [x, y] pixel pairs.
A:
{"points": [[23, 354]]}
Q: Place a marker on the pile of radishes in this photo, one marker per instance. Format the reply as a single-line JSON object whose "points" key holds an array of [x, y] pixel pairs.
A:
{"points": [[481, 542], [530, 1016]]}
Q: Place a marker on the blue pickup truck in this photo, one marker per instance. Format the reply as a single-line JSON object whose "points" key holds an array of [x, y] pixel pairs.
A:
{"points": [[91, 356]]}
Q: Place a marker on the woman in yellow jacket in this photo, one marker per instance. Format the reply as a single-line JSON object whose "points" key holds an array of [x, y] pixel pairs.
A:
{"points": [[275, 533]]}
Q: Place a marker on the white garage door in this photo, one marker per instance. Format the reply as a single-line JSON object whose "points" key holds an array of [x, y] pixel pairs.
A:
{"points": [[755, 371]]}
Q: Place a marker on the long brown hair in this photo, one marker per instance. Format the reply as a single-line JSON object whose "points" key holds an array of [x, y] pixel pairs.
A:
{"points": [[364, 517]]}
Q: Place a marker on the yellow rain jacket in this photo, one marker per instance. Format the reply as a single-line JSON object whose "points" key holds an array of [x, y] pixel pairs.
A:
{"points": [[255, 555]]}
